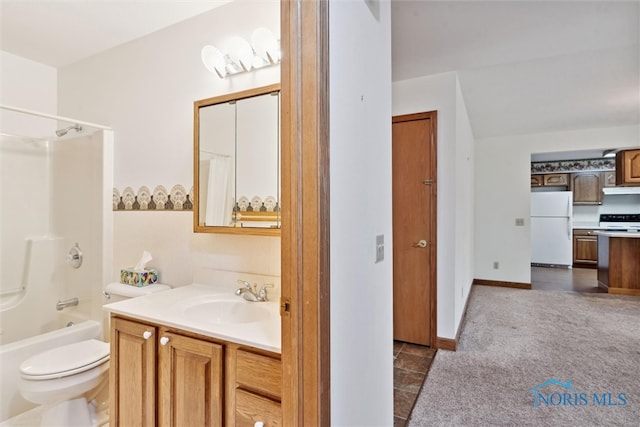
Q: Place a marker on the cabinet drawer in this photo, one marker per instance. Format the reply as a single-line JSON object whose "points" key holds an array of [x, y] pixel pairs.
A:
{"points": [[251, 408], [583, 232], [262, 374]]}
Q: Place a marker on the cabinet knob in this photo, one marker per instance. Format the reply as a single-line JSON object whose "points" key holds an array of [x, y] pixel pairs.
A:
{"points": [[147, 335], [258, 424], [164, 340]]}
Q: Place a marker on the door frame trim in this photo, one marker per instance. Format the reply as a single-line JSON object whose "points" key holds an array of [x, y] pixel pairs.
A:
{"points": [[433, 238], [305, 212]]}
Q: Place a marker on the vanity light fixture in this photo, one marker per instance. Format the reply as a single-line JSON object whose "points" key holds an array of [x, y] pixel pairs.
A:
{"points": [[241, 56]]}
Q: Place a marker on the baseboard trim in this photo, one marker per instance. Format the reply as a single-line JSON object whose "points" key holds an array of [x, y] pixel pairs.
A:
{"points": [[623, 291], [452, 344], [514, 285], [446, 344]]}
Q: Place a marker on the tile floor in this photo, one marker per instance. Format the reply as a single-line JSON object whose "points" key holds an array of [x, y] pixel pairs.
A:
{"points": [[567, 280], [411, 364]]}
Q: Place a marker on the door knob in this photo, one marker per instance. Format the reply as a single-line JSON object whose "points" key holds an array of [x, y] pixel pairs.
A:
{"points": [[164, 340], [146, 335], [421, 244]]}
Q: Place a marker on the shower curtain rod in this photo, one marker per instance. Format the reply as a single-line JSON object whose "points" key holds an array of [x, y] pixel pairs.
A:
{"points": [[51, 116]]}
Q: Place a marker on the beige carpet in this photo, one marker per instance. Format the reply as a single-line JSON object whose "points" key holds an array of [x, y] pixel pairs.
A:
{"points": [[582, 350]]}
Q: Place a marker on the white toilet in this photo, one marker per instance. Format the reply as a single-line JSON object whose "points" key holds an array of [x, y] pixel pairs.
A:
{"points": [[61, 376]]}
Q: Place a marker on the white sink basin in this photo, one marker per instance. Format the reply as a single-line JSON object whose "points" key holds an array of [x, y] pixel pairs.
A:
{"points": [[224, 311]]}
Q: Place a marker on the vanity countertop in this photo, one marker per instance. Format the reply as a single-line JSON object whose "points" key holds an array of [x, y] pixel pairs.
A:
{"points": [[168, 309]]}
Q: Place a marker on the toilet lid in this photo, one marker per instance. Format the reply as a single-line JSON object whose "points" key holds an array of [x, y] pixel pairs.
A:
{"points": [[66, 360]]}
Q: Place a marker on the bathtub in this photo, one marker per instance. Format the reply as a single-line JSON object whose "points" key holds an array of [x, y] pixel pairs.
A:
{"points": [[12, 355]]}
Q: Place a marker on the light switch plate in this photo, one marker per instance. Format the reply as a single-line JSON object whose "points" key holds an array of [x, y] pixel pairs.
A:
{"points": [[379, 248]]}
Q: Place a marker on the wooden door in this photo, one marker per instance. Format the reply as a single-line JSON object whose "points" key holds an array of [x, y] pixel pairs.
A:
{"points": [[190, 381], [132, 374], [414, 230]]}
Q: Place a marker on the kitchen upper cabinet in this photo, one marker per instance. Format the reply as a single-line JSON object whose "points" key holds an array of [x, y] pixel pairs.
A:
{"points": [[628, 168], [587, 188], [585, 248], [556, 180], [550, 180]]}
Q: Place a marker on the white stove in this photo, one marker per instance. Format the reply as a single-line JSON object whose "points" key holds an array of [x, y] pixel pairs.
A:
{"points": [[620, 222]]}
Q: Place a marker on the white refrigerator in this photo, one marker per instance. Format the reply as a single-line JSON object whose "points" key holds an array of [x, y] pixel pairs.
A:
{"points": [[551, 228]]}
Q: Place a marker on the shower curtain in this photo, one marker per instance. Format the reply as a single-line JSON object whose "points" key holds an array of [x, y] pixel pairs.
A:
{"points": [[219, 194]]}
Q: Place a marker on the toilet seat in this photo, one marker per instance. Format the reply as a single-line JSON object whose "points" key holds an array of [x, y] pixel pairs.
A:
{"points": [[64, 361]]}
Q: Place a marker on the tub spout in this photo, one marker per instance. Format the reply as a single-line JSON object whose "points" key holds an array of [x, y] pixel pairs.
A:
{"points": [[66, 303]]}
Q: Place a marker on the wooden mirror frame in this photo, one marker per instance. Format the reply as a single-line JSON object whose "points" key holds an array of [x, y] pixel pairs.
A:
{"points": [[255, 216]]}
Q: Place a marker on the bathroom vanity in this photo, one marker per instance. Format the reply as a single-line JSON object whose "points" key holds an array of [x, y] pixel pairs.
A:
{"points": [[195, 356]]}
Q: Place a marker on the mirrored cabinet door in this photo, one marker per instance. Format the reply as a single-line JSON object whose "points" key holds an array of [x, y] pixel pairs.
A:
{"points": [[237, 163], [257, 156], [217, 164]]}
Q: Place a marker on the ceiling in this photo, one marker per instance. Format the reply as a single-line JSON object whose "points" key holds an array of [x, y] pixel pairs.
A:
{"points": [[523, 66], [59, 33]]}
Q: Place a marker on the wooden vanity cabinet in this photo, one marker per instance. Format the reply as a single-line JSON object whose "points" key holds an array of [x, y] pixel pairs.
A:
{"points": [[253, 388], [585, 248], [132, 374], [190, 386], [165, 377]]}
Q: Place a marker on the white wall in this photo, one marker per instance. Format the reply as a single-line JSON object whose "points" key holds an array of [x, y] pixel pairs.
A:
{"points": [[502, 175], [27, 84], [360, 173], [465, 158], [145, 91], [455, 192]]}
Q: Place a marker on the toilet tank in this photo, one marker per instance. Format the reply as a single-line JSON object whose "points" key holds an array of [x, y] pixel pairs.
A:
{"points": [[115, 292]]}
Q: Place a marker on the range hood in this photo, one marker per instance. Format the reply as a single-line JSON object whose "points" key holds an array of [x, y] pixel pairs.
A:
{"points": [[620, 190]]}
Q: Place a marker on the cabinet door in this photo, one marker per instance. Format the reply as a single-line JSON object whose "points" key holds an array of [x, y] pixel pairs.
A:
{"points": [[191, 381], [132, 374], [537, 181], [628, 167], [585, 248], [609, 179], [587, 188], [556, 180]]}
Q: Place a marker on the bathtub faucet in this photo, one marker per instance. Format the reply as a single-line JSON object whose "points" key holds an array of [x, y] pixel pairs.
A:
{"points": [[66, 303]]}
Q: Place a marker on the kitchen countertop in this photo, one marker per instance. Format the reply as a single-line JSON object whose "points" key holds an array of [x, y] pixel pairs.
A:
{"points": [[629, 234], [167, 308], [587, 226]]}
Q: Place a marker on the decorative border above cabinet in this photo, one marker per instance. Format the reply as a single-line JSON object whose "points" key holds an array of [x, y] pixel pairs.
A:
{"points": [[159, 200], [573, 166]]}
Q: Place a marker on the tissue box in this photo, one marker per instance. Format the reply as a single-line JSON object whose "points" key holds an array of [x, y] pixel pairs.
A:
{"points": [[129, 276]]}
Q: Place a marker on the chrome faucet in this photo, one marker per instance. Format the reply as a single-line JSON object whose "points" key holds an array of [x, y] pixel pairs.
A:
{"points": [[251, 293], [60, 305]]}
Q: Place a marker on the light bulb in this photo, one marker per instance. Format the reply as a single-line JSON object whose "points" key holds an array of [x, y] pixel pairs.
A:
{"points": [[214, 60]]}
